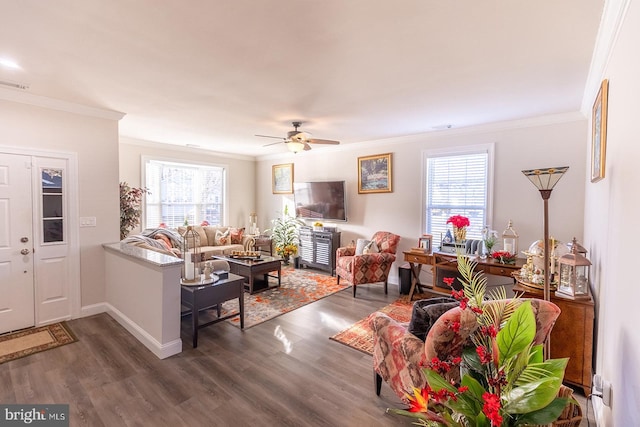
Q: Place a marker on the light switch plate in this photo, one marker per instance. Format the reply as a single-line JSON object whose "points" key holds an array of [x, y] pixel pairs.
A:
{"points": [[88, 221]]}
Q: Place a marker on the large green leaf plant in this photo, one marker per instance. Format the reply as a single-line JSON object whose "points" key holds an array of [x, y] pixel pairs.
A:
{"points": [[284, 233], [505, 379]]}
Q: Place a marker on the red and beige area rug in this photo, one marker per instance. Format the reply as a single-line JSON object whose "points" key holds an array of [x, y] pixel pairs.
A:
{"points": [[360, 335], [299, 287], [33, 340]]}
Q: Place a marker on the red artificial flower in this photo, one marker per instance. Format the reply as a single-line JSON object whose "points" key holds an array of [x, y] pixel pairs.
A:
{"points": [[454, 326], [449, 281], [458, 221], [477, 310], [204, 223], [491, 408], [419, 402], [485, 356], [489, 331]]}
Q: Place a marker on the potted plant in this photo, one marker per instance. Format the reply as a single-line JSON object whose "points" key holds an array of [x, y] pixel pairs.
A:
{"points": [[130, 208], [505, 379], [284, 234]]}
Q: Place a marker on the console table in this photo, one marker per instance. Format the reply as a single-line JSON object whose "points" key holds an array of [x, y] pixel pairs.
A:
{"points": [[318, 249], [445, 264]]}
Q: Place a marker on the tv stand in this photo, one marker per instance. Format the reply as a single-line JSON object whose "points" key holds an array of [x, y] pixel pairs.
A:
{"points": [[317, 249]]}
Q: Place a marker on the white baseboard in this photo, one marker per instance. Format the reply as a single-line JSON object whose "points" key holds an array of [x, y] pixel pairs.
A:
{"points": [[90, 310], [161, 350]]}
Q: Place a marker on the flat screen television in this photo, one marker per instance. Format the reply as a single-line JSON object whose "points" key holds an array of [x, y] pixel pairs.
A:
{"points": [[320, 200]]}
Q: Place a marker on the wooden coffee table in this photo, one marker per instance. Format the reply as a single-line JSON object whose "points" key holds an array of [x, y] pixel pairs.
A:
{"points": [[252, 270]]}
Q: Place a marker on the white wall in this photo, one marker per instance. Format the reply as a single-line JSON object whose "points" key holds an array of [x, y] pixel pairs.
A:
{"points": [[543, 142], [95, 141], [612, 210], [240, 178]]}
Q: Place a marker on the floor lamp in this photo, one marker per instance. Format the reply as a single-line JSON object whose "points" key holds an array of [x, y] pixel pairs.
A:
{"points": [[545, 180]]}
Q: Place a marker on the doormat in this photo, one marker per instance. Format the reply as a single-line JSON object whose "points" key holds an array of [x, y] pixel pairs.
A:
{"points": [[34, 340]]}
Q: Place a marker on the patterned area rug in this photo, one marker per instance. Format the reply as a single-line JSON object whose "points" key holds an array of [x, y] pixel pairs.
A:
{"points": [[360, 336], [29, 341], [299, 288]]}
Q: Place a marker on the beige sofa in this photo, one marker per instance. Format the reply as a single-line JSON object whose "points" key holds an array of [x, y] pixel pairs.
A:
{"points": [[214, 240]]}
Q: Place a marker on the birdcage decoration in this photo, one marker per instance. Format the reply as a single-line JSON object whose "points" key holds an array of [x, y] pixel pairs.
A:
{"points": [[574, 274], [190, 255]]}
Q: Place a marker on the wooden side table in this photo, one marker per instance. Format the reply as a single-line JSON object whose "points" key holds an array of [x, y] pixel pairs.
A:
{"points": [[201, 297], [571, 336]]}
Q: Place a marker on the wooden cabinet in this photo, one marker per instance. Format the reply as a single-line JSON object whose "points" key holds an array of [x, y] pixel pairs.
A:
{"points": [[317, 249], [571, 336]]}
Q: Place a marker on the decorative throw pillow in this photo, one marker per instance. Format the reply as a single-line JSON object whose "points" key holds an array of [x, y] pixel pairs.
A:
{"points": [[426, 312], [236, 235], [360, 244], [370, 248], [222, 238]]}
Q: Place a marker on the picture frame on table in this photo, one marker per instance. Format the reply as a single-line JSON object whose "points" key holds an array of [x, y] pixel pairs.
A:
{"points": [[426, 242], [599, 132], [282, 178], [375, 174]]}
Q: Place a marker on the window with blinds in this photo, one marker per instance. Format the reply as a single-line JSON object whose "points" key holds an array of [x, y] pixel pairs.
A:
{"points": [[180, 192], [457, 184]]}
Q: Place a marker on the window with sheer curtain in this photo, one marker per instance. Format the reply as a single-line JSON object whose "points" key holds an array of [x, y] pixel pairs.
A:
{"points": [[182, 193], [457, 182]]}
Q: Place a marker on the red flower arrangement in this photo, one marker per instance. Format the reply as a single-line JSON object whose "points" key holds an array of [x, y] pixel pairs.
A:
{"points": [[504, 257], [458, 221]]}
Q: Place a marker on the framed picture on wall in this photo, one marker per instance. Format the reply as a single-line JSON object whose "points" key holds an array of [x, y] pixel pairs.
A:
{"points": [[374, 174], [282, 178], [599, 132]]}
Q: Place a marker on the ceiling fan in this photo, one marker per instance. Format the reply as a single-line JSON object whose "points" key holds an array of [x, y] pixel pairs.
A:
{"points": [[298, 140]]}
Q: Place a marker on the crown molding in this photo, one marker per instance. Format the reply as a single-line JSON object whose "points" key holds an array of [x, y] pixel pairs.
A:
{"points": [[183, 149], [14, 95], [547, 120], [612, 19]]}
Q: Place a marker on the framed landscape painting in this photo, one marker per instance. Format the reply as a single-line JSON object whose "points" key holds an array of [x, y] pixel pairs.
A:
{"points": [[282, 178], [374, 174], [599, 132]]}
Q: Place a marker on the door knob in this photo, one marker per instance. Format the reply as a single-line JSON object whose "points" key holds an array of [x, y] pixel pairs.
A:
{"points": [[24, 239], [25, 252]]}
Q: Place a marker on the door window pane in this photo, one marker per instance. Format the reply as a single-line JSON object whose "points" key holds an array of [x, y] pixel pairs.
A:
{"points": [[52, 205]]}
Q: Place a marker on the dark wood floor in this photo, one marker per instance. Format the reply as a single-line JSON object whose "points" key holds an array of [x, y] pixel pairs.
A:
{"points": [[284, 372]]}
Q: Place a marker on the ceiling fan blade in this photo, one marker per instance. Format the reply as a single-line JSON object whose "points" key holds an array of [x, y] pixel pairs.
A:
{"points": [[307, 147], [268, 136], [323, 141], [274, 143]]}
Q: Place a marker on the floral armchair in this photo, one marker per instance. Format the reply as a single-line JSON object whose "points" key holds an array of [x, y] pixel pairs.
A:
{"points": [[369, 267], [399, 356]]}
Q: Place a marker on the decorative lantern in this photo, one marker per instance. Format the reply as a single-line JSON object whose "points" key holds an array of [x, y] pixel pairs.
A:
{"points": [[253, 223], [574, 274], [510, 239], [190, 255]]}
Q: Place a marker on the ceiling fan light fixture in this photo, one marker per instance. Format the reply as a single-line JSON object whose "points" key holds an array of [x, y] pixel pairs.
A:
{"points": [[295, 146]]}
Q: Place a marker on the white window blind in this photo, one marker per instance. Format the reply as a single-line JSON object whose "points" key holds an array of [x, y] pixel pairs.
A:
{"points": [[456, 184], [182, 193]]}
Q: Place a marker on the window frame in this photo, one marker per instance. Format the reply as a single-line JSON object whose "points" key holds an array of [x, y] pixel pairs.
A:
{"points": [[488, 148], [187, 163]]}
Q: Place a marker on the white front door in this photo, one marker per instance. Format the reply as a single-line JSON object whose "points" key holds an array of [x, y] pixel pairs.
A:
{"points": [[16, 243]]}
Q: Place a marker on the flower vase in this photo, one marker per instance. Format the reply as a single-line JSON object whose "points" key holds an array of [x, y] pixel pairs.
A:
{"points": [[460, 234], [285, 259]]}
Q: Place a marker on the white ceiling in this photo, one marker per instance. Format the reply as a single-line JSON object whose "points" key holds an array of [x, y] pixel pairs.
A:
{"points": [[215, 73]]}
